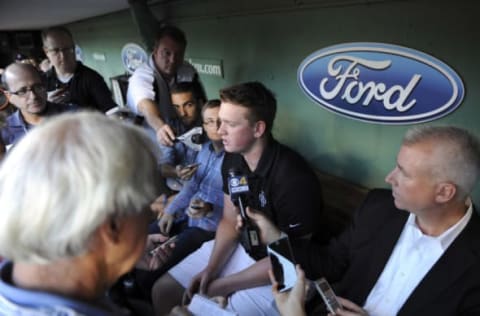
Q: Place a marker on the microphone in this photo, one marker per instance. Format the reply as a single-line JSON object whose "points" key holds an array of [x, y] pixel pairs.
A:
{"points": [[193, 138], [237, 188]]}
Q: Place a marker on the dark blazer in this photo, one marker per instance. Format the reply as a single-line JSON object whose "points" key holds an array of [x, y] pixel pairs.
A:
{"points": [[354, 261]]}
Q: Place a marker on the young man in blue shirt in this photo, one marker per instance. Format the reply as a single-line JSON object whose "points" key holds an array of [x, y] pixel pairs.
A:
{"points": [[195, 212]]}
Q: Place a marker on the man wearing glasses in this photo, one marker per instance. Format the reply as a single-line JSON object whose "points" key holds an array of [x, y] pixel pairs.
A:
{"points": [[26, 91], [68, 80]]}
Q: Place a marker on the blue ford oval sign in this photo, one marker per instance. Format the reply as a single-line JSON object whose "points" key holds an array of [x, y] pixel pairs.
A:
{"points": [[381, 83]]}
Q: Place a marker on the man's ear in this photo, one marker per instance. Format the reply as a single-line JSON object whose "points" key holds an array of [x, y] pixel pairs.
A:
{"points": [[259, 129], [445, 192], [110, 230]]}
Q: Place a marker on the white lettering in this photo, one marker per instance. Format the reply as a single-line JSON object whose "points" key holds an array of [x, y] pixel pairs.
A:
{"points": [[354, 89], [208, 69]]}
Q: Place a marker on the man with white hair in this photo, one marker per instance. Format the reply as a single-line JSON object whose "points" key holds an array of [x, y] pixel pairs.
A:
{"points": [[74, 214], [414, 250]]}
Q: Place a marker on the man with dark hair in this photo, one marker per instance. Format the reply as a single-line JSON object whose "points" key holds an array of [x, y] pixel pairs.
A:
{"points": [[174, 160], [68, 80], [281, 185], [27, 92], [195, 212], [149, 87]]}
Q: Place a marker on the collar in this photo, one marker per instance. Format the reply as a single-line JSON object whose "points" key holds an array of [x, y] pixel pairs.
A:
{"points": [[268, 156], [53, 73], [448, 236]]}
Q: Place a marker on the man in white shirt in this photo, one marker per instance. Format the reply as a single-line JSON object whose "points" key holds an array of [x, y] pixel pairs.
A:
{"points": [[425, 261], [149, 87]]}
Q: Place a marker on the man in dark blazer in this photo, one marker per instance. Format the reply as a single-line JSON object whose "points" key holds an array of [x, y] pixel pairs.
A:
{"points": [[412, 250]]}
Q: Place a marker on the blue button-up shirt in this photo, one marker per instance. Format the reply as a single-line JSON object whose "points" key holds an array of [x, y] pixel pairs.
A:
{"points": [[16, 127], [206, 184]]}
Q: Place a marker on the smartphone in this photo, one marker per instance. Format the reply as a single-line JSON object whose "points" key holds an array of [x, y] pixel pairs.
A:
{"points": [[283, 263], [327, 294], [164, 244], [192, 165]]}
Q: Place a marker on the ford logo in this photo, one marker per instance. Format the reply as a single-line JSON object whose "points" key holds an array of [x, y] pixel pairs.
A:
{"points": [[381, 83]]}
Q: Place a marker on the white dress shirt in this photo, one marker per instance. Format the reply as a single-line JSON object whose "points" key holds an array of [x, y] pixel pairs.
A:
{"points": [[413, 256]]}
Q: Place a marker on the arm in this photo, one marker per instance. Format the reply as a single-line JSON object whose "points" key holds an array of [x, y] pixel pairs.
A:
{"points": [[149, 110], [141, 99], [101, 93], [226, 239], [253, 276]]}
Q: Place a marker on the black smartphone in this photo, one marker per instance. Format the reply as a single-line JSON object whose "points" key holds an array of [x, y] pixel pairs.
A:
{"points": [[327, 294], [283, 263]]}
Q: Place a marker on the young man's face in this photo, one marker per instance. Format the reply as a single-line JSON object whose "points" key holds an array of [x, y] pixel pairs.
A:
{"points": [[237, 132], [185, 107], [412, 181], [168, 56], [60, 50], [210, 123]]}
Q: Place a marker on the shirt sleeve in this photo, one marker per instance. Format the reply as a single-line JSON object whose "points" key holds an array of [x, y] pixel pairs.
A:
{"points": [[140, 86], [182, 200]]}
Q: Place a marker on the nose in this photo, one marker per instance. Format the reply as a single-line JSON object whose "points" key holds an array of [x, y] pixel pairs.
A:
{"points": [[390, 178], [221, 129], [181, 111]]}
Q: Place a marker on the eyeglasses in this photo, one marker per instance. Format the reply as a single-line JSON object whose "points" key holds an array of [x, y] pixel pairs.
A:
{"points": [[211, 123], [57, 51], [36, 88]]}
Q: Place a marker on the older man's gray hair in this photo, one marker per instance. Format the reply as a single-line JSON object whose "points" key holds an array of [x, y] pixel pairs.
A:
{"points": [[457, 155], [67, 177]]}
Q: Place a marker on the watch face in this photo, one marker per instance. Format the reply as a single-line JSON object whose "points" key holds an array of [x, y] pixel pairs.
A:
{"points": [[133, 56]]}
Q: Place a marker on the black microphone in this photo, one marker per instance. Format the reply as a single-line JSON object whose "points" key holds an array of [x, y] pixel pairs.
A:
{"points": [[237, 188]]}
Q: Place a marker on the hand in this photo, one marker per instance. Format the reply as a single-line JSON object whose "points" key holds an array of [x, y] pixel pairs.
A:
{"points": [[160, 255], [268, 231], [292, 302], [199, 283], [199, 208], [185, 173], [152, 242], [349, 309], [158, 206], [165, 223], [180, 311], [165, 135], [219, 287], [59, 95]]}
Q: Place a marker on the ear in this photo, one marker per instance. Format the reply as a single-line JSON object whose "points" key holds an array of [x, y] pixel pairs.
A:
{"points": [[110, 231], [259, 129], [445, 192]]}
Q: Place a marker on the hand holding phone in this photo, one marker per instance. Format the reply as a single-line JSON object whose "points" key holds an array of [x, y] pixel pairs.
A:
{"points": [[327, 294], [186, 172], [283, 263]]}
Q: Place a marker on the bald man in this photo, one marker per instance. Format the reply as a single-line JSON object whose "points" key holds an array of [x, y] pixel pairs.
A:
{"points": [[27, 92]]}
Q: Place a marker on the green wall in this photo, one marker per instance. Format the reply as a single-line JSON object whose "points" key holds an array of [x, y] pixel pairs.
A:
{"points": [[266, 40]]}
